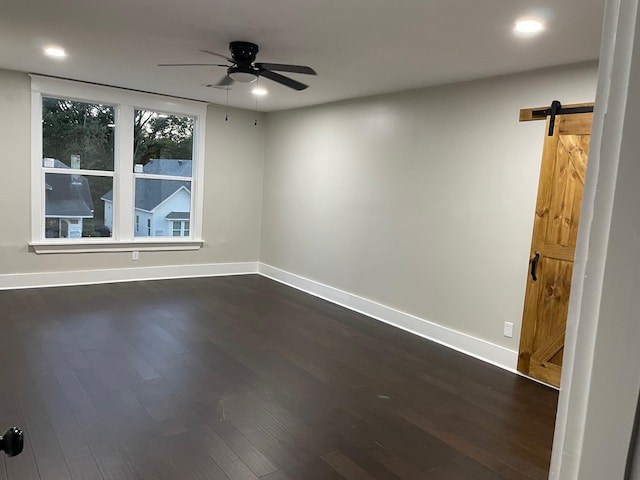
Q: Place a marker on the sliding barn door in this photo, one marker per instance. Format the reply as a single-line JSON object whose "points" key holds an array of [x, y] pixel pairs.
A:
{"points": [[564, 163]]}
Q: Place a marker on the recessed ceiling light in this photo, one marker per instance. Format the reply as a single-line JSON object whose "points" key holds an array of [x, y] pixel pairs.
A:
{"points": [[529, 25], [56, 52], [259, 91]]}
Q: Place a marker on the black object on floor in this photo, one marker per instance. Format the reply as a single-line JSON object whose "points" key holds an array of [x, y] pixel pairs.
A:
{"points": [[12, 442]]}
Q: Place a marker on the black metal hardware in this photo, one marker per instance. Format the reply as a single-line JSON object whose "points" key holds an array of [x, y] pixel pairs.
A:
{"points": [[534, 266], [557, 109], [12, 442]]}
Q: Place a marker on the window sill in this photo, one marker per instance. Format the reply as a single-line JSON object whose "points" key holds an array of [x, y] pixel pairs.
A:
{"points": [[96, 246]]}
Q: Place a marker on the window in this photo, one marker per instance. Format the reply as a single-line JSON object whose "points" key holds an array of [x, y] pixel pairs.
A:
{"points": [[163, 166], [181, 228], [77, 161], [105, 160]]}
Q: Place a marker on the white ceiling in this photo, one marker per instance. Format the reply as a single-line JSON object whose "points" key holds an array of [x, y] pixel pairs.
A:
{"points": [[358, 47]]}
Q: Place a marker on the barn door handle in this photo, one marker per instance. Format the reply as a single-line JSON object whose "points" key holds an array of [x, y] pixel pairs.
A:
{"points": [[534, 266]]}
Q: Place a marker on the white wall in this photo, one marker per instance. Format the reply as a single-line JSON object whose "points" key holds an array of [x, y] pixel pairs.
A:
{"points": [[422, 201], [233, 193]]}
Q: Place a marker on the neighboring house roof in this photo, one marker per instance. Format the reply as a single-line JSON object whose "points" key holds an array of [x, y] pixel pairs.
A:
{"points": [[67, 195], [150, 192], [168, 166], [107, 196], [178, 216]]}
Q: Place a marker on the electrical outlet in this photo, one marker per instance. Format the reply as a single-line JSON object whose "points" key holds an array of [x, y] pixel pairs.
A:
{"points": [[135, 255], [508, 329]]}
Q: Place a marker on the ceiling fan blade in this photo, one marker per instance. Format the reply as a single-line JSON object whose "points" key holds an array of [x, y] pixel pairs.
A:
{"points": [[226, 81], [191, 64], [219, 55], [289, 82], [281, 67]]}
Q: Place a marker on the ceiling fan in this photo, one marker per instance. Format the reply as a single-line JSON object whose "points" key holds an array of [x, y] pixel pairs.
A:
{"points": [[244, 69]]}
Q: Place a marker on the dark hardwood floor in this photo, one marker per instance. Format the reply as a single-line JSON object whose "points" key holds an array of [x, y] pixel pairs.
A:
{"points": [[238, 378]]}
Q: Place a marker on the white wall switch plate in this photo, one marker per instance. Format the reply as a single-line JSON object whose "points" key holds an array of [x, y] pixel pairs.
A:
{"points": [[135, 255], [508, 329]]}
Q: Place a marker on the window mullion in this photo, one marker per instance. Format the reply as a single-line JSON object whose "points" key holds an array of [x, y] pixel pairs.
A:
{"points": [[123, 181], [37, 175]]}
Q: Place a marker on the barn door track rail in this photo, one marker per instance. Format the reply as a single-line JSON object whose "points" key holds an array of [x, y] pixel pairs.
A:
{"points": [[556, 108]]}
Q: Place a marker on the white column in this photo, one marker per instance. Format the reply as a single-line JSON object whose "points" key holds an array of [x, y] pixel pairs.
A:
{"points": [[601, 371]]}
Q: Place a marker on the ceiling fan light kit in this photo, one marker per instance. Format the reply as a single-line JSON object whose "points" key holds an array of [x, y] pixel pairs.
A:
{"points": [[244, 69], [242, 75]]}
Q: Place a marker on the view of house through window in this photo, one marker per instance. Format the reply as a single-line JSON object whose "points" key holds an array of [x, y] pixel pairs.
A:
{"points": [[163, 149], [111, 169], [76, 136]]}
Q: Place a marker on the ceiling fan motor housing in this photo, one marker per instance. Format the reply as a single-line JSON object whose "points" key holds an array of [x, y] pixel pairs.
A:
{"points": [[244, 53]]}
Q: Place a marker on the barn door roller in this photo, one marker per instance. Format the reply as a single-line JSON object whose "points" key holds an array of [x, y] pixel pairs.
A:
{"points": [[556, 108]]}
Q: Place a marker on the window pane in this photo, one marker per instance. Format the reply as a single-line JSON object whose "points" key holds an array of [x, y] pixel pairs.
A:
{"points": [[159, 136], [77, 134], [78, 206], [162, 204]]}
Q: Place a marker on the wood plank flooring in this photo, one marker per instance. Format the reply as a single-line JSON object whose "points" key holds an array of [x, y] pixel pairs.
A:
{"points": [[241, 378]]}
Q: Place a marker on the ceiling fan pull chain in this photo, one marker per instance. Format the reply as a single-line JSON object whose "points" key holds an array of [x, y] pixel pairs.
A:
{"points": [[255, 120], [226, 110]]}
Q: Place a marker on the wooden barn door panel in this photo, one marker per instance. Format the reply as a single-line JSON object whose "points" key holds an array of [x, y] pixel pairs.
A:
{"points": [[562, 175]]}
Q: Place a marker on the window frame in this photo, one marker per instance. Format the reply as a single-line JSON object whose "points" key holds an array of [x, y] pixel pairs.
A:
{"points": [[123, 232]]}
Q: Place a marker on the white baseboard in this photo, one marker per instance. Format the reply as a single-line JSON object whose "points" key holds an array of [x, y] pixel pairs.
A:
{"points": [[489, 352], [87, 277]]}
